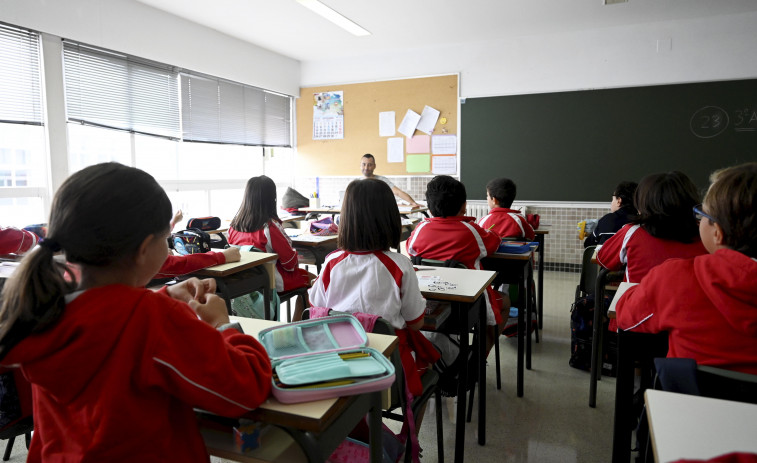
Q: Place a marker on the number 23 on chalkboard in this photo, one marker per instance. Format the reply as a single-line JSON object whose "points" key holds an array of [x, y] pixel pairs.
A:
{"points": [[711, 121]]}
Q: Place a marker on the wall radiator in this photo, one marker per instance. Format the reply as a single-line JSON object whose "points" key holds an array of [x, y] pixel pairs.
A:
{"points": [[479, 209]]}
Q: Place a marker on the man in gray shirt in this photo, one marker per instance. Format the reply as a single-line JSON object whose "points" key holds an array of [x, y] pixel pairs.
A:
{"points": [[368, 165]]}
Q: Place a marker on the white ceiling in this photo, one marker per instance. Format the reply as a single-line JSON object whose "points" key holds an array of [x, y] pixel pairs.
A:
{"points": [[286, 27]]}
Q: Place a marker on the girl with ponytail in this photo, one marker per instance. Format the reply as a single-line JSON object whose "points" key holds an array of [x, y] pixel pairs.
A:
{"points": [[117, 369]]}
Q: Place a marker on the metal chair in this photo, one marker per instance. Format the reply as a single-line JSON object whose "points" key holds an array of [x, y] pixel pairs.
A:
{"points": [[604, 277]]}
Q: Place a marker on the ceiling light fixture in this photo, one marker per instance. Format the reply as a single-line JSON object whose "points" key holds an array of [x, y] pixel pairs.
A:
{"points": [[336, 18]]}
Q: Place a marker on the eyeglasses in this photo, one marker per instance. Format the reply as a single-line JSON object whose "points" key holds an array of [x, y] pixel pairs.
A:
{"points": [[699, 214]]}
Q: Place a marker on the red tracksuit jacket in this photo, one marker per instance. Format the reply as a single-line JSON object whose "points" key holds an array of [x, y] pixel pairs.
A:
{"points": [[117, 377], [707, 304], [461, 239]]}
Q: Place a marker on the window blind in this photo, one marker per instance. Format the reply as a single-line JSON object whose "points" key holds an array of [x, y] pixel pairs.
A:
{"points": [[109, 89], [20, 83], [221, 111]]}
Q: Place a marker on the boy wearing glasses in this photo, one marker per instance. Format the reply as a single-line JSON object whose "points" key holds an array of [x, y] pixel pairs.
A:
{"points": [[708, 305]]}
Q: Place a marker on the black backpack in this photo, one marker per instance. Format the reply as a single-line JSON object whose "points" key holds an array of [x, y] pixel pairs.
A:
{"points": [[582, 333], [194, 241]]}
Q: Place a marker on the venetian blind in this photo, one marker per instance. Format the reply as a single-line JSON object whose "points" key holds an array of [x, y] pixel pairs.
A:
{"points": [[20, 95]]}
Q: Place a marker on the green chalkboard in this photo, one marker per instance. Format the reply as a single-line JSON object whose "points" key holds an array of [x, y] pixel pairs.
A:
{"points": [[576, 146]]}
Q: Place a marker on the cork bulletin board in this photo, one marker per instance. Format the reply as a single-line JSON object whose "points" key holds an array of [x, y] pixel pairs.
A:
{"points": [[362, 104]]}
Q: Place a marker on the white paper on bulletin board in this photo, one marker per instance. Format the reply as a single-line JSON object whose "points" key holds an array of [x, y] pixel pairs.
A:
{"points": [[444, 144], [386, 124], [444, 165], [395, 150]]}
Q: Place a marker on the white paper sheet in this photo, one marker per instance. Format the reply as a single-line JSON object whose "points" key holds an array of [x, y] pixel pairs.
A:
{"points": [[444, 144], [395, 150], [409, 123], [428, 120], [386, 124], [444, 165]]}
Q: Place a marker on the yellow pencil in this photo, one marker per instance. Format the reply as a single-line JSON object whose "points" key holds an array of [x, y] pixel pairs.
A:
{"points": [[324, 384]]}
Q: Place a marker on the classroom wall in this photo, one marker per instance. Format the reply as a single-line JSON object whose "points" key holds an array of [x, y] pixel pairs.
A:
{"points": [[716, 48], [131, 27]]}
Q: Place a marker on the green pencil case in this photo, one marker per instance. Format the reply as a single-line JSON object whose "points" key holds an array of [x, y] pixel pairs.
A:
{"points": [[323, 358]]}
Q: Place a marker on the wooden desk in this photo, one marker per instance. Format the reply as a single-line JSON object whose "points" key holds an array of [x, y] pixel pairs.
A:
{"points": [[516, 268], [539, 237], [317, 427], [319, 246], [253, 272], [470, 309], [699, 428]]}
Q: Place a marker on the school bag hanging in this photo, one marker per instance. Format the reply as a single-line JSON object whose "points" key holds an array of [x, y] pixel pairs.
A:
{"points": [[323, 227], [190, 241], [204, 223]]}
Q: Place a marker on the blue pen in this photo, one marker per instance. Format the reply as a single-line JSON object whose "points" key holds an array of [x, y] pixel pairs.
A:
{"points": [[317, 186]]}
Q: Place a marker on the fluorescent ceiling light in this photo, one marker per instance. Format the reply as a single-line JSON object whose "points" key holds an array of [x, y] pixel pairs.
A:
{"points": [[336, 18]]}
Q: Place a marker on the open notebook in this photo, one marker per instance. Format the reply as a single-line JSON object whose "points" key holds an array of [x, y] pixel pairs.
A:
{"points": [[621, 289]]}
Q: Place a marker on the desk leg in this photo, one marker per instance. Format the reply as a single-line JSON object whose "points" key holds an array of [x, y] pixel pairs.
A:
{"points": [[540, 293], [374, 422], [221, 288], [482, 370], [522, 307], [527, 276], [461, 389], [621, 434]]}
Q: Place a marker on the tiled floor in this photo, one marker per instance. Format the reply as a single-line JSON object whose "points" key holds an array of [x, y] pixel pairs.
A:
{"points": [[551, 423]]}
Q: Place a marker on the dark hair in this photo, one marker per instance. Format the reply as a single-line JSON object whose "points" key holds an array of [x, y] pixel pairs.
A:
{"points": [[99, 217], [258, 205], [625, 191], [503, 190], [370, 219], [445, 196], [664, 202], [369, 155], [732, 202]]}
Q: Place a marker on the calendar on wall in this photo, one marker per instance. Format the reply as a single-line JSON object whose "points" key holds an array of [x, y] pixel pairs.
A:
{"points": [[328, 116]]}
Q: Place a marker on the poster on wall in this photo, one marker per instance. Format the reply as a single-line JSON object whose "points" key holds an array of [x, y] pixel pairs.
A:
{"points": [[328, 116]]}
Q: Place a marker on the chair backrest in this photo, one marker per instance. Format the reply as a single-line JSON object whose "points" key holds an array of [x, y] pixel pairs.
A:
{"points": [[588, 279], [418, 260], [685, 376]]}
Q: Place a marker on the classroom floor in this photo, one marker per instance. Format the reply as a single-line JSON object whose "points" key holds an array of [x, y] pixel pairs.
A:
{"points": [[552, 423]]}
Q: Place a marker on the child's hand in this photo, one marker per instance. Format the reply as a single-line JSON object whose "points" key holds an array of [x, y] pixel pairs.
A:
{"points": [[192, 289], [232, 254], [176, 218], [212, 311]]}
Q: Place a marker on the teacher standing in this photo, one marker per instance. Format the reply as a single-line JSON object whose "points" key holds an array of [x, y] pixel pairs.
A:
{"points": [[368, 165]]}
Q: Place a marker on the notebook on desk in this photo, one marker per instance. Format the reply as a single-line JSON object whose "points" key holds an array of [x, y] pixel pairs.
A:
{"points": [[621, 290]]}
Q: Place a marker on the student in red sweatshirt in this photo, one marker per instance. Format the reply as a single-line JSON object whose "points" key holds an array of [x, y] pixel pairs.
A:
{"points": [[117, 369], [708, 304], [257, 223], [506, 222], [15, 241], [664, 227], [451, 235]]}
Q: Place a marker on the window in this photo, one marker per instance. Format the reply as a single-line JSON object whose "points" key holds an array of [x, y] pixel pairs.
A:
{"points": [[109, 89], [23, 156], [221, 111]]}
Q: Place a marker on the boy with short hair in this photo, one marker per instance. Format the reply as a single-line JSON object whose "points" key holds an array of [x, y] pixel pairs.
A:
{"points": [[708, 304], [505, 222], [451, 235]]}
